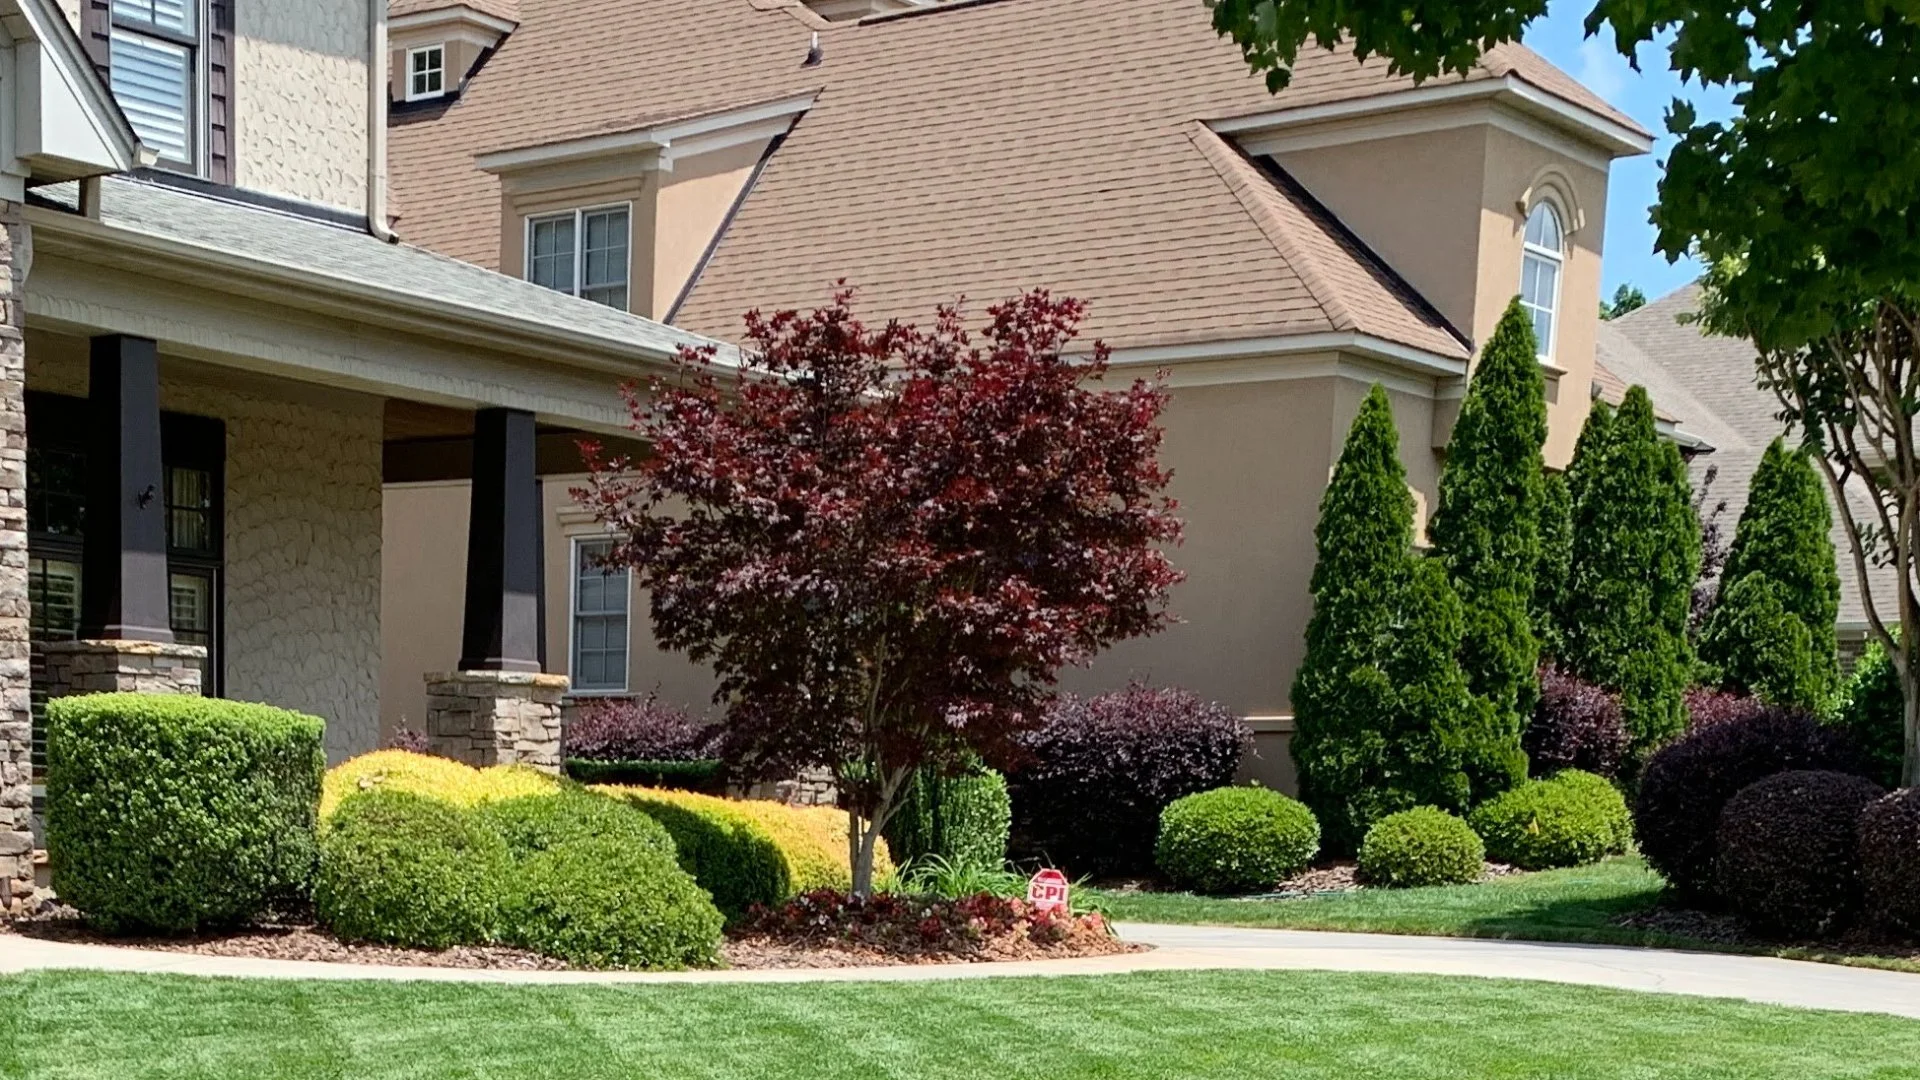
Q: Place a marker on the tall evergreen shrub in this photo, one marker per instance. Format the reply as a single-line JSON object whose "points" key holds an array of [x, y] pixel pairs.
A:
{"points": [[1772, 632], [1556, 554], [1486, 532], [1380, 703], [1636, 553]]}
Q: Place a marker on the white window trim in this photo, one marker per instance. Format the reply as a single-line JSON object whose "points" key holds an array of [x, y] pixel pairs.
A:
{"points": [[1559, 260], [437, 47], [579, 215], [573, 622]]}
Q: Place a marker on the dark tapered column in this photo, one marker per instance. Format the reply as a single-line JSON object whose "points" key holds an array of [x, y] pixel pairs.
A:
{"points": [[501, 631], [125, 552]]}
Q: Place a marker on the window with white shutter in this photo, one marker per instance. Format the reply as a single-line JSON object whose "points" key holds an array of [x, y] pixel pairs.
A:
{"points": [[154, 69]]}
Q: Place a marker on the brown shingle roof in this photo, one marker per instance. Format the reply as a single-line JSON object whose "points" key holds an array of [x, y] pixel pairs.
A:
{"points": [[499, 9], [973, 149]]}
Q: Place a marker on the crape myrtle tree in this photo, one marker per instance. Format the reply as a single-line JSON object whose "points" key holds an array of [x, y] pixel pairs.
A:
{"points": [[1486, 531], [1772, 632], [888, 541], [1636, 554], [1383, 715], [1801, 205]]}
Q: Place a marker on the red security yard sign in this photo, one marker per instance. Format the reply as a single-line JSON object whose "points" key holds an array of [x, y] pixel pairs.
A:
{"points": [[1048, 891]]}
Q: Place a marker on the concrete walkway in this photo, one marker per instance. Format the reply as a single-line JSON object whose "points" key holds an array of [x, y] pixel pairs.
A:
{"points": [[1177, 948]]}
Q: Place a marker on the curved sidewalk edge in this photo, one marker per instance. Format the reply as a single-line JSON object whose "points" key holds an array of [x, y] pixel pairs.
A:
{"points": [[1177, 948]]}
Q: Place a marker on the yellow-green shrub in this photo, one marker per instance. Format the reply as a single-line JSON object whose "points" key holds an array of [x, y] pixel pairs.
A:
{"points": [[748, 851], [439, 778]]}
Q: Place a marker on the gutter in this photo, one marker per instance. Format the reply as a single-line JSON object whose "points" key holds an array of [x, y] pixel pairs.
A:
{"points": [[377, 121]]}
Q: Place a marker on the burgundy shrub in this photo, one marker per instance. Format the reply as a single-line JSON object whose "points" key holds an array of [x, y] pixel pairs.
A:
{"points": [[406, 738], [1789, 859], [1576, 725], [1889, 833], [1098, 772], [1707, 707], [638, 729]]}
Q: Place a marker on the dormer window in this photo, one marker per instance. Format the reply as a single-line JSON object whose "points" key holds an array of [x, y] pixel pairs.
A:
{"points": [[154, 70], [582, 253], [426, 72], [1544, 254]]}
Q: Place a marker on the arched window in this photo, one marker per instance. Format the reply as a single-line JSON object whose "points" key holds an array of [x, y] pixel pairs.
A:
{"points": [[1540, 273]]}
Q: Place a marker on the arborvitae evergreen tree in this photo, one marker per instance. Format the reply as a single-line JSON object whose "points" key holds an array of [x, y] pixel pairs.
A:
{"points": [[1589, 449], [1486, 532], [1556, 552], [1636, 553], [1380, 705], [1783, 537]]}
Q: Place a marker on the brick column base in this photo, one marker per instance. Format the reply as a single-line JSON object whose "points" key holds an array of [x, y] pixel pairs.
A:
{"points": [[496, 717], [106, 667]]}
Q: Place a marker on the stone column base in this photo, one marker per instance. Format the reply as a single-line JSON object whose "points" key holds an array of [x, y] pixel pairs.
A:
{"points": [[496, 717], [105, 667]]}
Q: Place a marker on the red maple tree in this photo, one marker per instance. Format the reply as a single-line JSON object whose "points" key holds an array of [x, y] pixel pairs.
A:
{"points": [[887, 542]]}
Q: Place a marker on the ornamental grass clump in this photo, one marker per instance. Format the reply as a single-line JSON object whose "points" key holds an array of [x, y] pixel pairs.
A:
{"points": [[1237, 839], [1570, 819], [1789, 851], [1419, 847], [175, 814]]}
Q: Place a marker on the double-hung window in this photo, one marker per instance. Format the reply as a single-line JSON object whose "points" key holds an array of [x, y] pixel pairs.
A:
{"points": [[582, 253], [426, 72], [599, 661], [154, 65], [1545, 254]]}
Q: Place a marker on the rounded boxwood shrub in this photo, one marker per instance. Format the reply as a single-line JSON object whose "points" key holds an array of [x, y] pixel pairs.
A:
{"points": [[403, 869], [1789, 858], [1570, 819], [1422, 846], [175, 814], [609, 902], [535, 823], [1676, 815], [961, 819], [1889, 831], [1236, 839]]}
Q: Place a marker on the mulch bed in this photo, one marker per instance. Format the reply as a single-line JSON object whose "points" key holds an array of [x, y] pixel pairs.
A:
{"points": [[301, 941], [1327, 879], [1718, 928]]}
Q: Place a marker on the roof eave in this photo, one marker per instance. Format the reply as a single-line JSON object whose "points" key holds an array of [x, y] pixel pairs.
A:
{"points": [[39, 22], [1409, 358], [77, 236]]}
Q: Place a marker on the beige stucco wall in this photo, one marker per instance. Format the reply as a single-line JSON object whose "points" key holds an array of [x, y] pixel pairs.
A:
{"points": [[303, 548], [694, 201], [1447, 217], [300, 99]]}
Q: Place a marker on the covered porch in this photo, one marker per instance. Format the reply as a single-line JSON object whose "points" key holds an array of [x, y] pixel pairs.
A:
{"points": [[211, 396]]}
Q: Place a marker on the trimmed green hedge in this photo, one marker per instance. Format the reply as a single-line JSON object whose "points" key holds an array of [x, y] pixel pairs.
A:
{"points": [[534, 823], [736, 860], [704, 776], [1570, 819], [174, 813], [402, 869], [962, 819], [609, 902], [1422, 846], [1235, 839]]}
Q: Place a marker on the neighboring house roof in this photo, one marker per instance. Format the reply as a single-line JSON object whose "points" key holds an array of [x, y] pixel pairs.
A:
{"points": [[499, 9], [1709, 382], [269, 247], [968, 149]]}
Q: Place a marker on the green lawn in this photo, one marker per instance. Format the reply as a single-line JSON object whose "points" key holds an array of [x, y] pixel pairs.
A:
{"points": [[1577, 905], [1194, 1026]]}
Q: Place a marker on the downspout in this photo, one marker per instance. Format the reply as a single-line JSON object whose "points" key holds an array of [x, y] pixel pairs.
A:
{"points": [[377, 61]]}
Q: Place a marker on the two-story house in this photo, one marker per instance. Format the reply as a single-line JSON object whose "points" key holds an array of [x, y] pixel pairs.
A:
{"points": [[210, 344], [1276, 253]]}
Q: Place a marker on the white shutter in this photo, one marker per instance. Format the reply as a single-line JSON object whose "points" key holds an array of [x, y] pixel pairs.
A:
{"points": [[173, 15], [153, 82]]}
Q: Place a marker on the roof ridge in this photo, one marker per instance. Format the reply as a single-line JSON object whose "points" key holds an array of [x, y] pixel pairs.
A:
{"points": [[1224, 157]]}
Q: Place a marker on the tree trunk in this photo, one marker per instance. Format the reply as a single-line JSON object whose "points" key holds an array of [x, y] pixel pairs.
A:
{"points": [[867, 837]]}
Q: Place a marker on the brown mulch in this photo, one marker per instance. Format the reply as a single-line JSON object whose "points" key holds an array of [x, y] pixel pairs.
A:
{"points": [[1339, 876], [1718, 928], [305, 942]]}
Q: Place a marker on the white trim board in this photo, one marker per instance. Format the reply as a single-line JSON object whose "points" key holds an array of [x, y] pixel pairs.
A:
{"points": [[698, 135], [451, 16]]}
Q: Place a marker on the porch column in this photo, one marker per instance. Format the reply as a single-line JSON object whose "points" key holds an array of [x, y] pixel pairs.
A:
{"points": [[498, 707], [126, 640], [16, 715]]}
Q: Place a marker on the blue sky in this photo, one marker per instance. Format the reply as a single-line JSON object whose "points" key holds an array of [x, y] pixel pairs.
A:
{"points": [[1643, 95]]}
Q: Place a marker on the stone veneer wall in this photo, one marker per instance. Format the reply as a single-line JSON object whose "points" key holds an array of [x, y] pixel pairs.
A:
{"points": [[300, 104], [16, 705], [111, 667], [302, 587], [496, 717]]}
